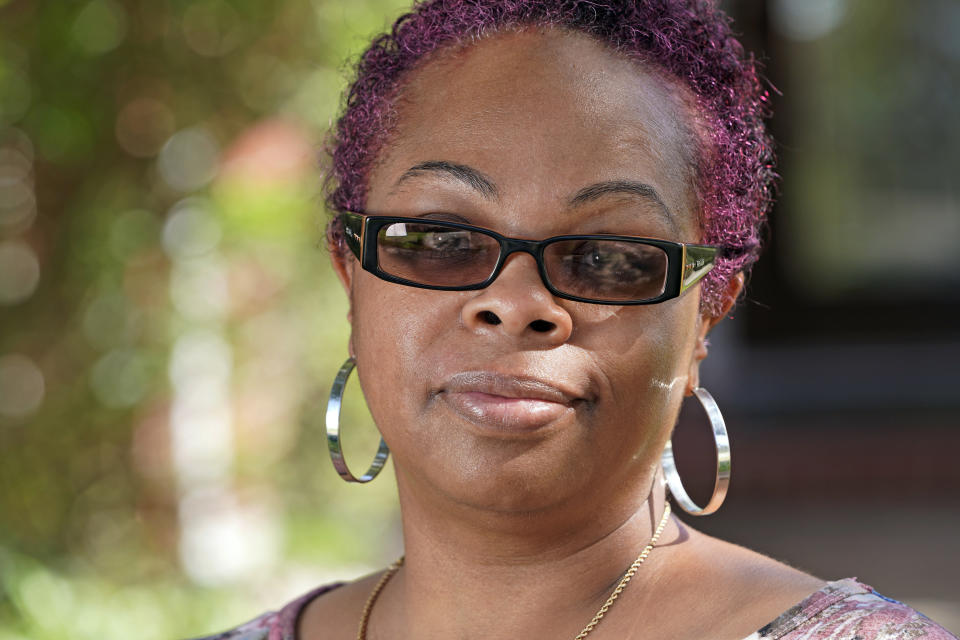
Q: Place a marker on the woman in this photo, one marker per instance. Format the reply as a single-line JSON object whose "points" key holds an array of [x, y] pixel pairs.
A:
{"points": [[527, 390]]}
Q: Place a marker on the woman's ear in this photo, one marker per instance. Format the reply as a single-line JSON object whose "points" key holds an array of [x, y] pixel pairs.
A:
{"points": [[705, 323], [343, 265]]}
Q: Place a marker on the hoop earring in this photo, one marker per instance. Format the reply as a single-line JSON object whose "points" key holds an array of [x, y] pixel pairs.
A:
{"points": [[333, 431], [722, 443]]}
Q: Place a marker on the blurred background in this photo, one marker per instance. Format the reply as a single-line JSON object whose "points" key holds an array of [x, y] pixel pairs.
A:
{"points": [[169, 326]]}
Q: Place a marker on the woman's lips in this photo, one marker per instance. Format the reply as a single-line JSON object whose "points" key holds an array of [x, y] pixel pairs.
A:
{"points": [[506, 403]]}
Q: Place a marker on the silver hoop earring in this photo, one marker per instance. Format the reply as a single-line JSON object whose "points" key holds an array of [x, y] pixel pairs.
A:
{"points": [[333, 431], [722, 442]]}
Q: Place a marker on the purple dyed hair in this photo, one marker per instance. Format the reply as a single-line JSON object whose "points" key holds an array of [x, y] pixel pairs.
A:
{"points": [[689, 40]]}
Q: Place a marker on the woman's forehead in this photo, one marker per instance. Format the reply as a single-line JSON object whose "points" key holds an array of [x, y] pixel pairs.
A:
{"points": [[544, 113]]}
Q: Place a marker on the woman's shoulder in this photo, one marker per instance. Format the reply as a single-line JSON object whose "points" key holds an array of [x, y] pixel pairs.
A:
{"points": [[764, 592], [274, 625], [850, 610]]}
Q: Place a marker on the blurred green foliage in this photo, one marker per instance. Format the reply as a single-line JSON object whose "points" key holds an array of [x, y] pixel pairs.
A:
{"points": [[159, 196]]}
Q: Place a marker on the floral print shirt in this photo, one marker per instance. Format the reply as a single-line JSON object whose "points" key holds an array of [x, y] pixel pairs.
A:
{"points": [[842, 610]]}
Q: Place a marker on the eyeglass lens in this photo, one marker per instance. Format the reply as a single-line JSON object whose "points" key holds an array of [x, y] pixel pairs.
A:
{"points": [[599, 269]]}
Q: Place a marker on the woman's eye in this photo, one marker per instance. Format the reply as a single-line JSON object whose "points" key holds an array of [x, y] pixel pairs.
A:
{"points": [[600, 257], [447, 240], [616, 262]]}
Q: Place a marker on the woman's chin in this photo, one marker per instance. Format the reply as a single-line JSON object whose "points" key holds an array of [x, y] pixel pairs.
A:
{"points": [[474, 469]]}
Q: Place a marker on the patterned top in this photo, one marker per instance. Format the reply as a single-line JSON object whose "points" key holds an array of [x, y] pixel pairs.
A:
{"points": [[842, 610]]}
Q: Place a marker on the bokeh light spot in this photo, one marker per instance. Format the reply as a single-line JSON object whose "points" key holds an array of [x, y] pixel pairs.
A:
{"points": [[189, 159], [21, 386], [100, 27], [143, 125], [17, 201], [47, 598], [120, 378], [108, 321], [211, 27], [200, 355], [191, 230], [272, 151], [807, 20], [200, 417], [13, 139], [225, 540], [263, 81], [316, 98], [199, 289], [15, 188], [19, 272]]}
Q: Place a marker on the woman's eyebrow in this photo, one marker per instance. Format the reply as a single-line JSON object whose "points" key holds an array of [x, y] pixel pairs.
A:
{"points": [[623, 187], [467, 175]]}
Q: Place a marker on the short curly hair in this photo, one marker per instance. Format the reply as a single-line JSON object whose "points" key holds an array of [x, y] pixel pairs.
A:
{"points": [[689, 40]]}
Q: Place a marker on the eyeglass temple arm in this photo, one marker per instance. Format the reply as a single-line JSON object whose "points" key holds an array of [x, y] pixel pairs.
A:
{"points": [[698, 260], [353, 232]]}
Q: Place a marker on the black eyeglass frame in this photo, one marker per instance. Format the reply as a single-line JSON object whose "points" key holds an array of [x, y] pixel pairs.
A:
{"points": [[687, 263]]}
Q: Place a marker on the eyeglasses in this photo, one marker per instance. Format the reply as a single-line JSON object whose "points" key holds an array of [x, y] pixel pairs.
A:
{"points": [[601, 269]]}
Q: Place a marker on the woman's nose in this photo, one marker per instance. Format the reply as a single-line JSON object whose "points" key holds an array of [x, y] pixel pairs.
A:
{"points": [[519, 305]]}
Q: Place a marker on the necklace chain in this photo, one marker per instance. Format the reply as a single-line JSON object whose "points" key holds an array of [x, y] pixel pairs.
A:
{"points": [[368, 607], [624, 581]]}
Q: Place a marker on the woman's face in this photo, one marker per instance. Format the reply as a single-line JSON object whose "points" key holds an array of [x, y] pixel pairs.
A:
{"points": [[507, 398]]}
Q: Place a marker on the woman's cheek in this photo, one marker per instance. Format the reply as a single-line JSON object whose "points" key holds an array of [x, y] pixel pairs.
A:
{"points": [[647, 371], [394, 334]]}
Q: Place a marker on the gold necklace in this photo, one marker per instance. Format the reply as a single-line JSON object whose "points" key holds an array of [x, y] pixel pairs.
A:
{"points": [[392, 570]]}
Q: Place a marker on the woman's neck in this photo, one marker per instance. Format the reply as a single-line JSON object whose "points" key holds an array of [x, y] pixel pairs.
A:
{"points": [[478, 574]]}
